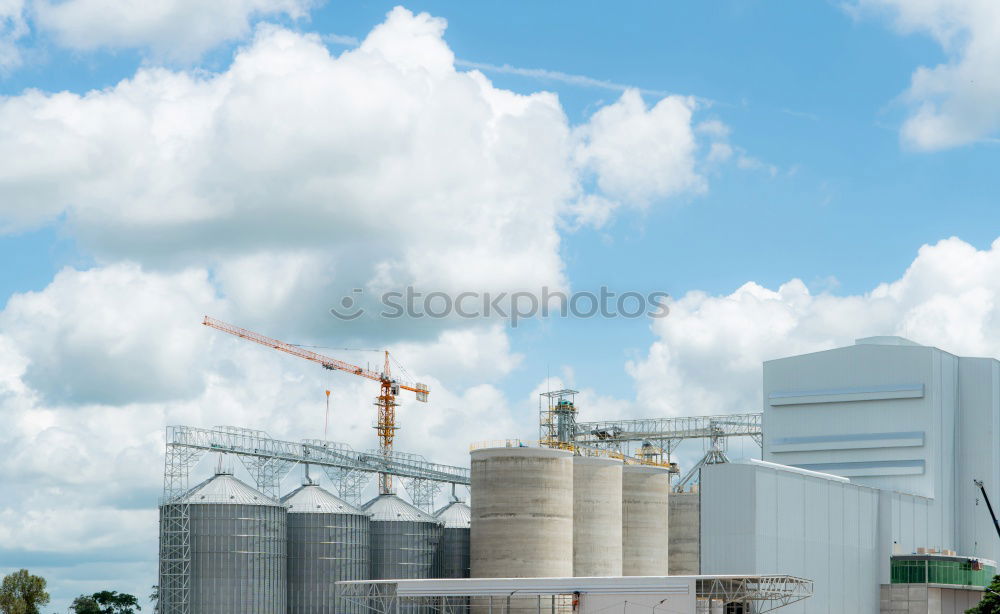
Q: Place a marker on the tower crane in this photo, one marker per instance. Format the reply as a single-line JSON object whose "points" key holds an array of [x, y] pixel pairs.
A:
{"points": [[385, 425]]}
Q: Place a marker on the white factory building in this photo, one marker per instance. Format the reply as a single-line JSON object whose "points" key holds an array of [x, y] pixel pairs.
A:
{"points": [[870, 452], [863, 502]]}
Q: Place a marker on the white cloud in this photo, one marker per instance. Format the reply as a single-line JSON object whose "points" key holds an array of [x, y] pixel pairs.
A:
{"points": [[714, 128], [262, 194], [173, 29], [472, 354], [639, 154], [93, 367], [720, 152], [958, 101], [593, 210], [296, 176], [707, 358], [112, 335], [750, 163], [13, 27], [385, 159]]}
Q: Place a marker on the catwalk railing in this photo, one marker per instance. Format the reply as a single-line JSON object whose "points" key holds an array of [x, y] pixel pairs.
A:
{"points": [[670, 429], [269, 459]]}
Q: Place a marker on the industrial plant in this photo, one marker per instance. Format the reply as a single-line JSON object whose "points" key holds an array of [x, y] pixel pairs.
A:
{"points": [[871, 495]]}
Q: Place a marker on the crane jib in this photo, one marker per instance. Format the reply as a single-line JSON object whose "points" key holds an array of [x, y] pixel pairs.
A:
{"points": [[385, 402]]}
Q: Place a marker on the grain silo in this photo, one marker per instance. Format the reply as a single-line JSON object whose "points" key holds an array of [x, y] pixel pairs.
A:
{"points": [[645, 508], [238, 540], [453, 553], [328, 541], [404, 540], [522, 513], [597, 516]]}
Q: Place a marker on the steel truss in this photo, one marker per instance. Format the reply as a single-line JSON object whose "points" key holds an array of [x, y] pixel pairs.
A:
{"points": [[661, 436], [761, 593], [175, 531], [272, 458], [422, 492], [383, 599], [268, 461], [757, 595], [349, 484]]}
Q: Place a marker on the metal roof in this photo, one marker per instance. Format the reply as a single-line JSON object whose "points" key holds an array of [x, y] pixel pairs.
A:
{"points": [[224, 488], [886, 340], [390, 508], [767, 592], [455, 515], [312, 499], [632, 585]]}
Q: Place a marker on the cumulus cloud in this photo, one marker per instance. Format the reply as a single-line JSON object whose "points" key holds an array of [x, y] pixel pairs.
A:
{"points": [[709, 350], [958, 101], [262, 194], [13, 27], [640, 153], [93, 366], [384, 166], [474, 353], [173, 29], [298, 175], [112, 335]]}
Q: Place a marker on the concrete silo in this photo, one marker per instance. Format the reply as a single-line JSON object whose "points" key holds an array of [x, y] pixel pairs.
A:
{"points": [[522, 513], [404, 540], [328, 541], [453, 552], [645, 508], [238, 541], [597, 516]]}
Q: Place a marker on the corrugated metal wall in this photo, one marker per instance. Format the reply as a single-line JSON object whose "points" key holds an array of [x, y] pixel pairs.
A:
{"points": [[762, 520], [978, 454], [323, 549], [453, 554], [403, 550], [238, 559]]}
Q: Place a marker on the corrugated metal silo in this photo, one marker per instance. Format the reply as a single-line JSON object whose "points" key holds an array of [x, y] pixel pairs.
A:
{"points": [[645, 509], [597, 516], [328, 541], [238, 541], [404, 540], [453, 553], [522, 513]]}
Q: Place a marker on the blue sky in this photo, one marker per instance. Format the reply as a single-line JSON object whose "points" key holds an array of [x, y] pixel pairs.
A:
{"points": [[796, 175], [805, 87]]}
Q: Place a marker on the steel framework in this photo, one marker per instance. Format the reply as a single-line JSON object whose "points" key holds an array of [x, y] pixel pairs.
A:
{"points": [[382, 599], [557, 418], [385, 402], [761, 593], [661, 436], [175, 531], [757, 595], [268, 461]]}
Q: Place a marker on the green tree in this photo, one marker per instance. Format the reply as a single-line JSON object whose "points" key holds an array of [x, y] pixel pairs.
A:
{"points": [[991, 599], [22, 593], [84, 605], [105, 602]]}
